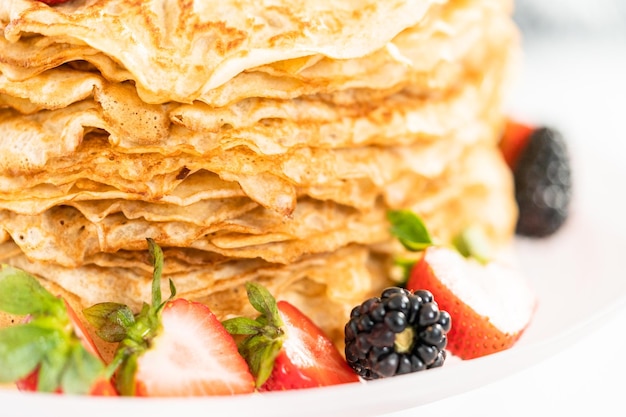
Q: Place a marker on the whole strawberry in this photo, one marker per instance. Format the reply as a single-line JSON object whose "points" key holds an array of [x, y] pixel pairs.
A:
{"points": [[171, 348], [284, 348]]}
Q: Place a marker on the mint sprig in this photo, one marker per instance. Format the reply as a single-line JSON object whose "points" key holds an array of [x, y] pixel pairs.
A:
{"points": [[264, 335], [45, 342]]}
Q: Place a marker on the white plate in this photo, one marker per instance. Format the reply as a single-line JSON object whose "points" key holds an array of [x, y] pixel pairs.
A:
{"points": [[574, 273]]}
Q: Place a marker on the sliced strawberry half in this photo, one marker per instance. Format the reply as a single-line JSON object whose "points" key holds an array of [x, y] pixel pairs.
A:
{"points": [[51, 351], [171, 348], [308, 358], [490, 305], [286, 349], [193, 355]]}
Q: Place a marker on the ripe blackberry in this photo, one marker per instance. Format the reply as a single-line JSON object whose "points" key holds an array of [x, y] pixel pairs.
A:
{"points": [[396, 333], [543, 184]]}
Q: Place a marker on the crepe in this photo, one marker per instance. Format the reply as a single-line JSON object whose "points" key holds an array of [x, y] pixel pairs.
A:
{"points": [[258, 141]]}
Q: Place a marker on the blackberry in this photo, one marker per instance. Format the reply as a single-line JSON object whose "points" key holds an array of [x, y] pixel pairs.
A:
{"points": [[397, 333], [543, 184]]}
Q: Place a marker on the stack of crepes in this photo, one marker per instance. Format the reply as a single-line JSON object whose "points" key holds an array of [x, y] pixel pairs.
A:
{"points": [[253, 140]]}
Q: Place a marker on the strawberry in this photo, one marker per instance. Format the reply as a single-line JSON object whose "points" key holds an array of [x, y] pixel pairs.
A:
{"points": [[51, 351], [490, 304], [171, 348], [53, 2], [284, 348], [514, 140]]}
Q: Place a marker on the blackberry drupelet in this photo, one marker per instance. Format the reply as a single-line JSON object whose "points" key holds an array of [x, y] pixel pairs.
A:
{"points": [[543, 184], [397, 333]]}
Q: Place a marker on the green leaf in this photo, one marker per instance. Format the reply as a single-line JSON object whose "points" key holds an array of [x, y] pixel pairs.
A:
{"points": [[111, 320], [172, 290], [157, 261], [263, 302], [242, 326], [263, 353], [410, 230], [51, 368], [22, 348], [21, 294], [264, 336], [81, 372], [472, 243]]}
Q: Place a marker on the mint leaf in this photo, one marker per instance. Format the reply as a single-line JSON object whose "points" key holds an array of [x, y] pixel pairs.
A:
{"points": [[410, 229], [22, 294], [51, 368], [81, 371], [22, 348]]}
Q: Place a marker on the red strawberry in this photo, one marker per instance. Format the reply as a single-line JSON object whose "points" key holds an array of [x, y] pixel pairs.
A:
{"points": [[171, 348], [490, 304], [308, 358], [285, 349], [53, 2], [51, 350], [514, 140], [81, 332]]}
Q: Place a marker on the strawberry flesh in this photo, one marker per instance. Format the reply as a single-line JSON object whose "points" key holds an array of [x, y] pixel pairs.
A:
{"points": [[490, 305], [193, 355], [308, 358]]}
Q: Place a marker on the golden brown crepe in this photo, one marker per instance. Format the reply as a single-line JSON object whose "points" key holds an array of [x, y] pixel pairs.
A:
{"points": [[251, 140]]}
